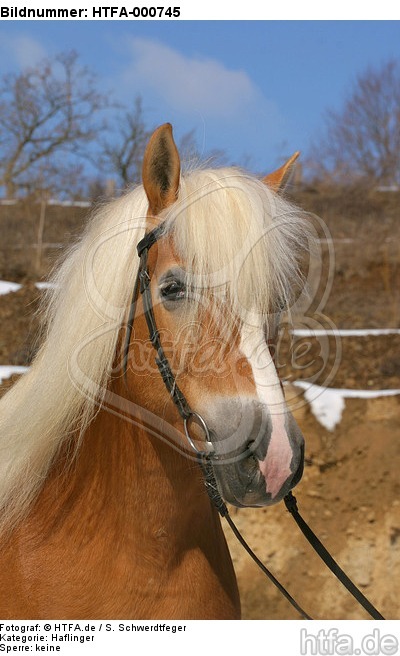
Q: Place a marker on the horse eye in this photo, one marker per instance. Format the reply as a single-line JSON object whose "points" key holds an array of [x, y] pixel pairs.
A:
{"points": [[173, 290]]}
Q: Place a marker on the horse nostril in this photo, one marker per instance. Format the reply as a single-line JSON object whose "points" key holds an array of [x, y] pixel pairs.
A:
{"points": [[249, 465], [256, 449], [250, 447]]}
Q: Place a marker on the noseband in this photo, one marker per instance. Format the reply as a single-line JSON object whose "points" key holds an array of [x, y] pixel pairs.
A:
{"points": [[205, 457]]}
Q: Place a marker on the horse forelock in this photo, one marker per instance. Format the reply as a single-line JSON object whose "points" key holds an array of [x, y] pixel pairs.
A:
{"points": [[238, 238]]}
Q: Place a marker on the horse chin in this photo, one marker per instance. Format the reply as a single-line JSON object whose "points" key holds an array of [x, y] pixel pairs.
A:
{"points": [[242, 484]]}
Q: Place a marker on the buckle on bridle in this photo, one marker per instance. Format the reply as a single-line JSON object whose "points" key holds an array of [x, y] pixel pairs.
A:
{"points": [[144, 280]]}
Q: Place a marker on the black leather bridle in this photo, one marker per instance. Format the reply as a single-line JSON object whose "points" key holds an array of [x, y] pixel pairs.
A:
{"points": [[142, 285], [206, 456]]}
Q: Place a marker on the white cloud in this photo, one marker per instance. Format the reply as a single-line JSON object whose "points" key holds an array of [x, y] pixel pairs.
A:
{"points": [[23, 49], [189, 83]]}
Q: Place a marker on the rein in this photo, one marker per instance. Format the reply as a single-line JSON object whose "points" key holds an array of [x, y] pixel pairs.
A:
{"points": [[205, 458]]}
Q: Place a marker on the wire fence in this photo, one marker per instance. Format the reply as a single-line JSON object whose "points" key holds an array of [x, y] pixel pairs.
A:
{"points": [[34, 232]]}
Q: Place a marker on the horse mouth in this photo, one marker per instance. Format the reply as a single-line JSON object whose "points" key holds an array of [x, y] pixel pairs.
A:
{"points": [[241, 483]]}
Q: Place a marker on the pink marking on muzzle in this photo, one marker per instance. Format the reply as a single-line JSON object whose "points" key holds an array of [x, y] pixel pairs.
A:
{"points": [[276, 465]]}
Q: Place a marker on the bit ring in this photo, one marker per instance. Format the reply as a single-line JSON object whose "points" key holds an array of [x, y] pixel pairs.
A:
{"points": [[194, 416]]}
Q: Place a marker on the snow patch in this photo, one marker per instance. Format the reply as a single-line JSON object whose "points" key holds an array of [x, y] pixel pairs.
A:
{"points": [[346, 332], [327, 403], [6, 371], [44, 285], [6, 287]]}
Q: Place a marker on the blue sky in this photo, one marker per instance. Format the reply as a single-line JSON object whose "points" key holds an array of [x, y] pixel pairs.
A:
{"points": [[256, 89]]}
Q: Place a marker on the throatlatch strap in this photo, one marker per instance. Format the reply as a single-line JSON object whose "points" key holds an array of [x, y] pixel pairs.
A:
{"points": [[129, 326]]}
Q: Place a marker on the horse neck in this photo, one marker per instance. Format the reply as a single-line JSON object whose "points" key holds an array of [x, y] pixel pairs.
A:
{"points": [[122, 530], [124, 476], [145, 475]]}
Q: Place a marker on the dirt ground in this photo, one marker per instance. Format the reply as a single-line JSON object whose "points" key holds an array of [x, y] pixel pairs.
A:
{"points": [[350, 491], [349, 495]]}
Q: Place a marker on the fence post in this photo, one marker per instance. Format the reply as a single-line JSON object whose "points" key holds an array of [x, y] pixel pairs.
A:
{"points": [[39, 250]]}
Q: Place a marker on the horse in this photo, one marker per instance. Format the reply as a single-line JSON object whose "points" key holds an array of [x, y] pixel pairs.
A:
{"points": [[104, 512]]}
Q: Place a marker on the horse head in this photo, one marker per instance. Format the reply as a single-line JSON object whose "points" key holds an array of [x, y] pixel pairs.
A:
{"points": [[218, 272]]}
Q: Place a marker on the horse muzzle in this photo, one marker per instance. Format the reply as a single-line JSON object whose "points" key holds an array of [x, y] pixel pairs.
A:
{"points": [[260, 460]]}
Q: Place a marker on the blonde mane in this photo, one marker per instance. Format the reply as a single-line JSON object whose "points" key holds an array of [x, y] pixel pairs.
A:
{"points": [[229, 230]]}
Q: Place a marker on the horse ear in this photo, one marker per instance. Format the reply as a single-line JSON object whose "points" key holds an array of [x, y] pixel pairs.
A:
{"points": [[161, 169], [280, 178]]}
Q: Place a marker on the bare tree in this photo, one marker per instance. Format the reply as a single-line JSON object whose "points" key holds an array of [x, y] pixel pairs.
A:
{"points": [[361, 142], [123, 155], [192, 153], [45, 112]]}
